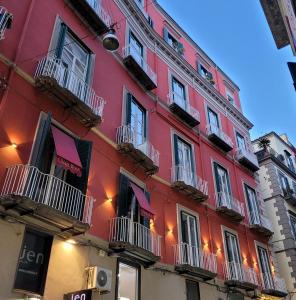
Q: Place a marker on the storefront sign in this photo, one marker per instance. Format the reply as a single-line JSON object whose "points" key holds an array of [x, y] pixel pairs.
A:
{"points": [[33, 262], [79, 295]]}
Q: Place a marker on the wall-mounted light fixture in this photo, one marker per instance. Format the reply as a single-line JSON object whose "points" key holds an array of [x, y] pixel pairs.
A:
{"points": [[110, 40], [14, 145]]}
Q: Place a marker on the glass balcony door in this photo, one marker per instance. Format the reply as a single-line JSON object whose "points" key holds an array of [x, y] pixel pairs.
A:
{"points": [[136, 49], [253, 205], [223, 186], [213, 121], [179, 94], [189, 237]]}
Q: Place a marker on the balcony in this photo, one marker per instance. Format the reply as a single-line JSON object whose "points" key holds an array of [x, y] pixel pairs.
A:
{"points": [[143, 154], [93, 14], [277, 158], [65, 87], [247, 159], [37, 198], [186, 182], [135, 240], [290, 196], [5, 21], [239, 276], [230, 207], [139, 67], [260, 224], [273, 285], [219, 138], [183, 110], [195, 262]]}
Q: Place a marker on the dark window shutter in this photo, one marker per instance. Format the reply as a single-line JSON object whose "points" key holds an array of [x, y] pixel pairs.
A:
{"points": [[61, 40], [165, 34], [217, 178], [84, 149], [180, 48], [128, 108], [150, 22], [122, 200], [184, 232], [192, 290], [176, 150], [146, 221], [41, 141]]}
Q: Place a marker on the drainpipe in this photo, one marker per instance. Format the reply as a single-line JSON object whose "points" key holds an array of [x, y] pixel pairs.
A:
{"points": [[17, 55]]}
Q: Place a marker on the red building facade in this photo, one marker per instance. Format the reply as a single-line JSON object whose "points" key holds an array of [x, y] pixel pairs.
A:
{"points": [[143, 153]]}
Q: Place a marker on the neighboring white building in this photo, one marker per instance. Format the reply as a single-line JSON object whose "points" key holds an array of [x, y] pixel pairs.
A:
{"points": [[277, 176]]}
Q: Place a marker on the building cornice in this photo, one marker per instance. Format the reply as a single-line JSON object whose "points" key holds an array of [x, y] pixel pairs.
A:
{"points": [[183, 64]]}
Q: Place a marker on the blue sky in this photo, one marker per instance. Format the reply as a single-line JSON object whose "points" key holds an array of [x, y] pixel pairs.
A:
{"points": [[235, 35]]}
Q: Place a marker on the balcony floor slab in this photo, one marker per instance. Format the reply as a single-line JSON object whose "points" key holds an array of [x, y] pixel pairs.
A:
{"points": [[183, 115], [144, 256], [241, 284], [68, 100], [195, 271], [33, 213], [232, 214], [214, 138], [139, 157], [189, 191], [133, 66]]}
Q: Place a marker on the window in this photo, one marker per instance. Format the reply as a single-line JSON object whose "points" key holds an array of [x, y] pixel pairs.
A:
{"points": [[184, 161], [230, 96], [205, 73], [232, 249], [136, 49], [173, 42], [293, 225], [241, 144], [128, 281], [75, 57], [222, 185], [289, 161], [44, 155], [136, 118], [189, 238], [192, 290], [265, 267], [128, 205], [253, 205], [213, 121], [179, 94], [284, 183]]}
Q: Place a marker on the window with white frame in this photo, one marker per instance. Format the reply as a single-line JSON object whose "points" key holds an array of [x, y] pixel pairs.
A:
{"points": [[293, 225], [284, 183], [179, 93], [76, 60], [136, 49], [289, 160], [136, 118], [241, 143], [213, 121], [205, 73], [232, 248], [230, 96], [189, 238], [222, 185], [184, 162], [264, 265], [253, 205]]}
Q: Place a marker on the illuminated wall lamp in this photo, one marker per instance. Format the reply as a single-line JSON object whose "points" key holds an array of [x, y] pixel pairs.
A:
{"points": [[14, 145]]}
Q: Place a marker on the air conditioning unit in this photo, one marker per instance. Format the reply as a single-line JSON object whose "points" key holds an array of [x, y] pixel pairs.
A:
{"points": [[99, 279]]}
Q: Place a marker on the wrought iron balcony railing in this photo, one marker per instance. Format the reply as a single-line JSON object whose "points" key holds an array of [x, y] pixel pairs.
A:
{"points": [[127, 135], [5, 20], [28, 182], [227, 204], [124, 230], [193, 256], [54, 69]]}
